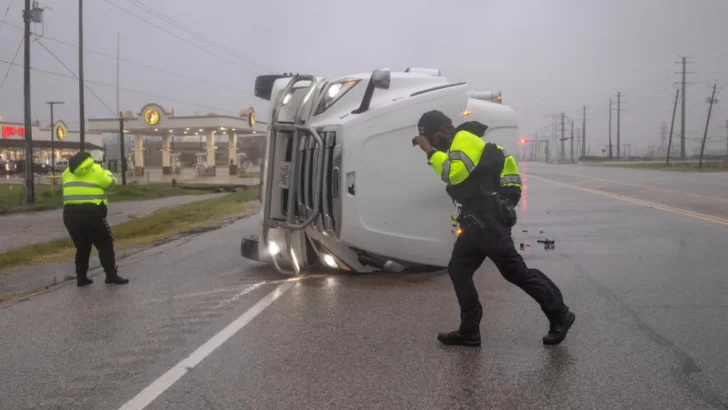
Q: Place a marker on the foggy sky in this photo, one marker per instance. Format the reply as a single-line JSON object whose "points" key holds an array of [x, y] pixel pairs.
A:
{"points": [[545, 56]]}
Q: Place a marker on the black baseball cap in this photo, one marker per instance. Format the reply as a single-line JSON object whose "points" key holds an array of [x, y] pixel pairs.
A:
{"points": [[431, 121]]}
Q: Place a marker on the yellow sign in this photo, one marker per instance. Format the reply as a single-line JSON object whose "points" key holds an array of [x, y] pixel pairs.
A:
{"points": [[61, 132], [151, 116], [251, 118]]}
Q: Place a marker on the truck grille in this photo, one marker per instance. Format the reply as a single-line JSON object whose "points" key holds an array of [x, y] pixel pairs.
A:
{"points": [[305, 180]]}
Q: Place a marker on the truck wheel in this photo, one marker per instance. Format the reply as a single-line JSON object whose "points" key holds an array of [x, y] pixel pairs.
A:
{"points": [[264, 85]]}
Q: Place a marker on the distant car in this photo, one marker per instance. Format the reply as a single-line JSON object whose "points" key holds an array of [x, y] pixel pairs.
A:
{"points": [[61, 165], [8, 167], [38, 168]]}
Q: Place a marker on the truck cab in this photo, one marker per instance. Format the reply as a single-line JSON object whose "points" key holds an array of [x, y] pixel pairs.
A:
{"points": [[341, 184]]}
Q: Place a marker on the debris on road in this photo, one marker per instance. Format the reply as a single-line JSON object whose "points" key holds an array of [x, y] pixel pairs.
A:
{"points": [[547, 243]]}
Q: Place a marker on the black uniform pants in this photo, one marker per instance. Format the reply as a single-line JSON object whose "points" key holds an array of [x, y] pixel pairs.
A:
{"points": [[86, 223], [495, 242]]}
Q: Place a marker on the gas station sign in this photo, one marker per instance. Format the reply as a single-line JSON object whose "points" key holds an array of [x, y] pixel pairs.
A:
{"points": [[11, 131], [151, 116], [251, 117], [61, 131]]}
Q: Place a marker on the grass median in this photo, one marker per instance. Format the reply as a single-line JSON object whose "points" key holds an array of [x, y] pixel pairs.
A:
{"points": [[12, 196], [161, 225]]}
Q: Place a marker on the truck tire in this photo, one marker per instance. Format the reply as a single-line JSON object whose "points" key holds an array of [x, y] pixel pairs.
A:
{"points": [[264, 85]]}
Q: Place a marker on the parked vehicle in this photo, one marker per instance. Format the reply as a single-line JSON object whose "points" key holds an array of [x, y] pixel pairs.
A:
{"points": [[8, 167], [38, 168]]}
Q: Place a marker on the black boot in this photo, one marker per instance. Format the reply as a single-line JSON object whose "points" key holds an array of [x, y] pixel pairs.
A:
{"points": [[114, 278], [459, 338], [560, 326], [83, 280]]}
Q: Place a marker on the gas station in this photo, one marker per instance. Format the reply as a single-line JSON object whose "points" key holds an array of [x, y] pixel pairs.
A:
{"points": [[49, 144], [155, 121]]}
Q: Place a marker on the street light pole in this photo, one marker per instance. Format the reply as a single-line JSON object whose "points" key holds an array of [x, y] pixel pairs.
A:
{"points": [[53, 151], [121, 145]]}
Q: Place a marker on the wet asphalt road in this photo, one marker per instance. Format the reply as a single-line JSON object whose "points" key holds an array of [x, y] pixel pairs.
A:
{"points": [[649, 287]]}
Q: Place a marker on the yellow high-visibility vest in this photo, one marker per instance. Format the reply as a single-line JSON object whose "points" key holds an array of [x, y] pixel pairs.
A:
{"points": [[88, 183], [464, 155]]}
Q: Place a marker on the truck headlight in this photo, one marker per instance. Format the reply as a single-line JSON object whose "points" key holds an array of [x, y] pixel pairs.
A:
{"points": [[333, 92], [330, 261]]}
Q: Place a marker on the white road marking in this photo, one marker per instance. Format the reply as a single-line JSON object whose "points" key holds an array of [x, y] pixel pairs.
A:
{"points": [[154, 390]]}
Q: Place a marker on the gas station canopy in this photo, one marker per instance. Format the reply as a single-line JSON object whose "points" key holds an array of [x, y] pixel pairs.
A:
{"points": [[154, 120]]}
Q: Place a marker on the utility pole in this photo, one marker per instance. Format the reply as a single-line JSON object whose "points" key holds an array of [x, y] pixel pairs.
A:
{"points": [[712, 101], [663, 135], [121, 143], [82, 132], [29, 183], [619, 115], [682, 109], [118, 34], [610, 128], [726, 147], [683, 73], [583, 133], [572, 141], [563, 150], [672, 126], [53, 151], [551, 141]]}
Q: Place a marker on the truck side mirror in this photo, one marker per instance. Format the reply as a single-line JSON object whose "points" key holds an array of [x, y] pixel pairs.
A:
{"points": [[381, 78]]}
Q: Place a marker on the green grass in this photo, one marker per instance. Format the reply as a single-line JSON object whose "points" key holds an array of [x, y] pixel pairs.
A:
{"points": [[12, 196], [158, 226], [680, 167]]}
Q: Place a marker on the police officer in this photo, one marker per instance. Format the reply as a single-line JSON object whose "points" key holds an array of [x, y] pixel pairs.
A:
{"points": [[486, 184], [84, 215]]}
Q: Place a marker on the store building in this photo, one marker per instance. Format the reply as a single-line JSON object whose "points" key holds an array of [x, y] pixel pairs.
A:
{"points": [[62, 142]]}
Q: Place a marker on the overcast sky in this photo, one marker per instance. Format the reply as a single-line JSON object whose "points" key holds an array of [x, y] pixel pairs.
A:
{"points": [[545, 56]]}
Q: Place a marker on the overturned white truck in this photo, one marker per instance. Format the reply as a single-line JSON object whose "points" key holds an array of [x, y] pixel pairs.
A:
{"points": [[341, 184]]}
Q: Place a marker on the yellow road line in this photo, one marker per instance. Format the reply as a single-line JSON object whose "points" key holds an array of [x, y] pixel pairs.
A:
{"points": [[679, 211], [654, 188]]}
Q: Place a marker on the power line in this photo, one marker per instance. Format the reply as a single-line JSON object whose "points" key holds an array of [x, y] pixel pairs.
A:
{"points": [[197, 35], [131, 90], [14, 57], [179, 38], [6, 15], [135, 63], [75, 76]]}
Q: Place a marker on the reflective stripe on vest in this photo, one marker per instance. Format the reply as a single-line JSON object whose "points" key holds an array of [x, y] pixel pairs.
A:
{"points": [[510, 179], [79, 192], [81, 184], [82, 197], [456, 156], [445, 175]]}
